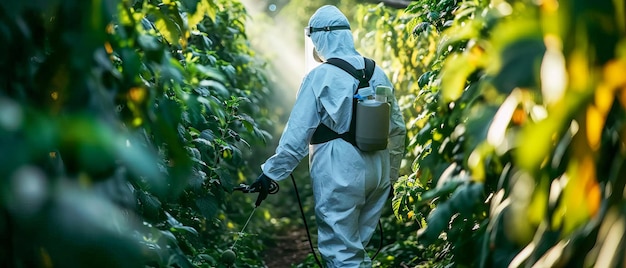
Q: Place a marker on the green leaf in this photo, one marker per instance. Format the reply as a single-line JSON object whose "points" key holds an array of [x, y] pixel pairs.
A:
{"points": [[216, 108], [425, 134], [147, 24], [142, 162], [237, 156], [454, 76], [229, 71], [225, 178], [208, 205], [168, 23], [199, 10], [203, 142], [424, 79], [168, 30], [150, 206], [248, 122], [212, 11], [396, 203], [478, 123], [131, 63], [465, 197], [177, 226], [198, 177], [447, 183], [211, 73], [437, 221], [217, 87], [148, 42], [521, 61], [196, 110], [414, 7], [172, 72], [458, 35], [190, 5]]}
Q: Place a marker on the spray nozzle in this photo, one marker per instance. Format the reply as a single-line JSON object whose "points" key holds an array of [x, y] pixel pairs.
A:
{"points": [[247, 189]]}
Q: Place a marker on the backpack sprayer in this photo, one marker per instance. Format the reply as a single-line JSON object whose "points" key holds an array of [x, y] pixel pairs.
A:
{"points": [[229, 256]]}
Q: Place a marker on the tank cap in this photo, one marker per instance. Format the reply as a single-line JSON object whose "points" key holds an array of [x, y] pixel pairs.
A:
{"points": [[364, 93]]}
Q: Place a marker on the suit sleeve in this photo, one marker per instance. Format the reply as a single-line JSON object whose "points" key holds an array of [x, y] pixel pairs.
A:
{"points": [[397, 137], [294, 141]]}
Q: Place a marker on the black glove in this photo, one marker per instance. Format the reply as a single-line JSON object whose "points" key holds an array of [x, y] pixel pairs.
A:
{"points": [[262, 185]]}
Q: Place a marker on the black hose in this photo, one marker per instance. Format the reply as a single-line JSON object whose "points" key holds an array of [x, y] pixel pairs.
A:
{"points": [[305, 223], [380, 243], [308, 232]]}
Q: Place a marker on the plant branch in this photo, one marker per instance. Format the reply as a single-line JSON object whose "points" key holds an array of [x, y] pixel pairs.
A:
{"points": [[392, 3]]}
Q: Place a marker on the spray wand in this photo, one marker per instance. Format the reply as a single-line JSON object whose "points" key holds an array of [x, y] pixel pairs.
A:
{"points": [[229, 256]]}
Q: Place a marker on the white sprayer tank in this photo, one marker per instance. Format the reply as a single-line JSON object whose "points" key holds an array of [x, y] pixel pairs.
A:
{"points": [[372, 121]]}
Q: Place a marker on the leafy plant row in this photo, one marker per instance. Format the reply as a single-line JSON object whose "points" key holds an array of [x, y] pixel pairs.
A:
{"points": [[123, 128], [518, 134]]}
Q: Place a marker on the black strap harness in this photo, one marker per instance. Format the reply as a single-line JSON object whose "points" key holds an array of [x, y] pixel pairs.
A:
{"points": [[323, 133]]}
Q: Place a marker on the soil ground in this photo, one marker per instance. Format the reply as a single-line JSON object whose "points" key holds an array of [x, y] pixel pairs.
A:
{"points": [[291, 248]]}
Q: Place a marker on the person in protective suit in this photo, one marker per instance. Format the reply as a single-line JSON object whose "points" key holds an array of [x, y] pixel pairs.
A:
{"points": [[350, 187]]}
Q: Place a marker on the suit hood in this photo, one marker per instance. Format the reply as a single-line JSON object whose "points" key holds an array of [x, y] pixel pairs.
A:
{"points": [[336, 43]]}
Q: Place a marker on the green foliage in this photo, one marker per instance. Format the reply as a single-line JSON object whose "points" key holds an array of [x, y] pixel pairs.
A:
{"points": [[123, 131], [512, 163]]}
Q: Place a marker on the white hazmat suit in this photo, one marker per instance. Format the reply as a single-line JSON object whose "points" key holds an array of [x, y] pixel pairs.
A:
{"points": [[350, 186]]}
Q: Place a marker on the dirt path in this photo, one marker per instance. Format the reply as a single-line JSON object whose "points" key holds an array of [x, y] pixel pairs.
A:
{"points": [[291, 248]]}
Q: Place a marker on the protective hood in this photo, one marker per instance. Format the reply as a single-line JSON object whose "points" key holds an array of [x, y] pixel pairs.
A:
{"points": [[336, 43]]}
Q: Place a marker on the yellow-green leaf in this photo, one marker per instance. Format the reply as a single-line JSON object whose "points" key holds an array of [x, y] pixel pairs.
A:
{"points": [[203, 8], [454, 76], [168, 30]]}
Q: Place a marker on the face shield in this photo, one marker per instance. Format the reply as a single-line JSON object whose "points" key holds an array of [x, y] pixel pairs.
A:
{"points": [[312, 57]]}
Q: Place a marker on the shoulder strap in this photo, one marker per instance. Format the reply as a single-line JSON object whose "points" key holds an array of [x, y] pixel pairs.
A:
{"points": [[363, 75], [322, 132]]}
